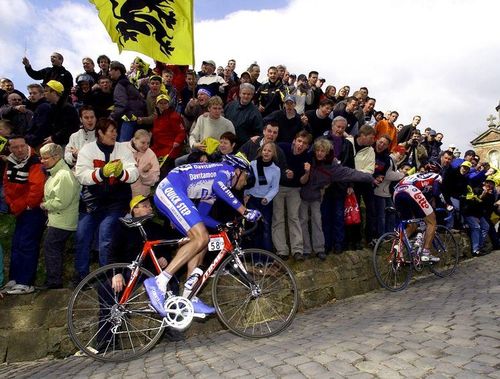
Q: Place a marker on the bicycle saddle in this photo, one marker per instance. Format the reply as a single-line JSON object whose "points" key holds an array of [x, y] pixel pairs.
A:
{"points": [[134, 222]]}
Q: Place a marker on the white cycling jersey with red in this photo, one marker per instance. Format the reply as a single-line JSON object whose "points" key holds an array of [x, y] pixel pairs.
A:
{"points": [[418, 188], [428, 183]]}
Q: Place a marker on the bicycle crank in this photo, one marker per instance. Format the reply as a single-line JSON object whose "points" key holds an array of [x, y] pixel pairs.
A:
{"points": [[180, 312]]}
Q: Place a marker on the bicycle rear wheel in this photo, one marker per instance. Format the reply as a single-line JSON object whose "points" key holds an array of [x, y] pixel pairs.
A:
{"points": [[106, 330], [393, 269], [446, 248], [259, 303]]}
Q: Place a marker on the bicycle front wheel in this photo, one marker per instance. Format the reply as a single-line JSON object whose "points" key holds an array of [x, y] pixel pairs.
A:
{"points": [[106, 330], [258, 301], [445, 247], [393, 268]]}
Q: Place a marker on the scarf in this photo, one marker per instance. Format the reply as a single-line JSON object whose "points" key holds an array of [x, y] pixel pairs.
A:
{"points": [[260, 170]]}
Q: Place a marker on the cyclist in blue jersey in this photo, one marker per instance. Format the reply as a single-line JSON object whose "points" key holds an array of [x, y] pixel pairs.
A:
{"points": [[174, 198], [416, 196]]}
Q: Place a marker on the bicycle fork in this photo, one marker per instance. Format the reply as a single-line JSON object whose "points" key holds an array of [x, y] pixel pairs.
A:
{"points": [[239, 267]]}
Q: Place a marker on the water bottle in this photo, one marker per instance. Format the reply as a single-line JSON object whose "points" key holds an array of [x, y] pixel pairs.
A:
{"points": [[419, 241], [191, 281]]}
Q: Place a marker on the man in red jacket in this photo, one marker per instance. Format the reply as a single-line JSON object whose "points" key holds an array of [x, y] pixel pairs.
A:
{"points": [[168, 134], [23, 185]]}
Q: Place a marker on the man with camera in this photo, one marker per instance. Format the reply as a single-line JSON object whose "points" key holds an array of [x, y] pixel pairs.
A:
{"points": [[416, 153]]}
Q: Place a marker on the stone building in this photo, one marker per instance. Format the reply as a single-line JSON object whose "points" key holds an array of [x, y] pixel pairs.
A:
{"points": [[487, 144]]}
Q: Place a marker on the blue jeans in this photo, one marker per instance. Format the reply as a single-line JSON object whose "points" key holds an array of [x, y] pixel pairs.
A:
{"points": [[26, 246], [479, 228], [4, 208], [53, 248], [386, 221], [332, 219], [262, 237], [127, 131], [88, 223]]}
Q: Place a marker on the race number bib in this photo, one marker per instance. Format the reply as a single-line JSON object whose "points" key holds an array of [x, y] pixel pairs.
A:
{"points": [[215, 244]]}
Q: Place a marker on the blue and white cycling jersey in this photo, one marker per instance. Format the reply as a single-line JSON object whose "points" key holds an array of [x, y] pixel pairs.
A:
{"points": [[198, 181]]}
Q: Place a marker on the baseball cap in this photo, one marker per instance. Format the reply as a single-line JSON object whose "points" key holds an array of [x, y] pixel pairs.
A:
{"points": [[136, 200], [210, 62], [56, 86], [84, 78], [162, 97], [290, 98], [466, 164], [432, 132]]}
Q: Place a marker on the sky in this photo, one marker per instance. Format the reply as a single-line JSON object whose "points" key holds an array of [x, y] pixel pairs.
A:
{"points": [[435, 58]]}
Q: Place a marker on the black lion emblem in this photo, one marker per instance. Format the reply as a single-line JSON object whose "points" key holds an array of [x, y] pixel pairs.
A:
{"points": [[138, 17]]}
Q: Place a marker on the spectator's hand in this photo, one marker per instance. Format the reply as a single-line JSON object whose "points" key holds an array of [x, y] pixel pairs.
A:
{"points": [[74, 151], [304, 119], [350, 190], [42, 207], [147, 167], [254, 139], [252, 215], [200, 146], [117, 283], [176, 144], [379, 179], [490, 171], [26, 62], [47, 140], [20, 108], [118, 168], [261, 108], [109, 168], [139, 120], [289, 174], [307, 167]]}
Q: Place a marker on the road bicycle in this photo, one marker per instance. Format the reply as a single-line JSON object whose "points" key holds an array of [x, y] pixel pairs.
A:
{"points": [[254, 293], [395, 256]]}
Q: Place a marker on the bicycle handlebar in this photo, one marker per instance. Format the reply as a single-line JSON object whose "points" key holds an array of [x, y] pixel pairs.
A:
{"points": [[237, 225]]}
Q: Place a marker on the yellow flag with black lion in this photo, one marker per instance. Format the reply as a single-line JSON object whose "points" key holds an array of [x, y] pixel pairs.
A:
{"points": [[160, 29]]}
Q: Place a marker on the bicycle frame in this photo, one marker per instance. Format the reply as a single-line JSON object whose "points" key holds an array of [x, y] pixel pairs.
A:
{"points": [[403, 236], [147, 250]]}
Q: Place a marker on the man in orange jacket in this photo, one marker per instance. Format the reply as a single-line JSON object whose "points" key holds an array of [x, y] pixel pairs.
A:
{"points": [[23, 185]]}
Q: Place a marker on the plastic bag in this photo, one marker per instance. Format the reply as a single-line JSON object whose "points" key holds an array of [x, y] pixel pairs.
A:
{"points": [[352, 214]]}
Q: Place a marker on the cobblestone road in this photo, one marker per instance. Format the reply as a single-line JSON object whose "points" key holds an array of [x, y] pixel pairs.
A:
{"points": [[435, 329]]}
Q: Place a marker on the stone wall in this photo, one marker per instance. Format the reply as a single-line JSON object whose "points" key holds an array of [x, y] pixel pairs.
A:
{"points": [[34, 326]]}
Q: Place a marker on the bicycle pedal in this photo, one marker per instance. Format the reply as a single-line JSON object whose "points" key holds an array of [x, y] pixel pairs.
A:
{"points": [[199, 315]]}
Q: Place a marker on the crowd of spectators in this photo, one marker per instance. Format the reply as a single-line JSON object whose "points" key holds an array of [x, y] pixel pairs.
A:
{"points": [[81, 153]]}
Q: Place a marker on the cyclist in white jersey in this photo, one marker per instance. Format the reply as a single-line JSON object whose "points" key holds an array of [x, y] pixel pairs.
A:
{"points": [[413, 196]]}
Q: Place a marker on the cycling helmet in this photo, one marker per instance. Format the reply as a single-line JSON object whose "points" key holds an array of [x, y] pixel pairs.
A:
{"points": [[237, 160], [433, 166]]}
